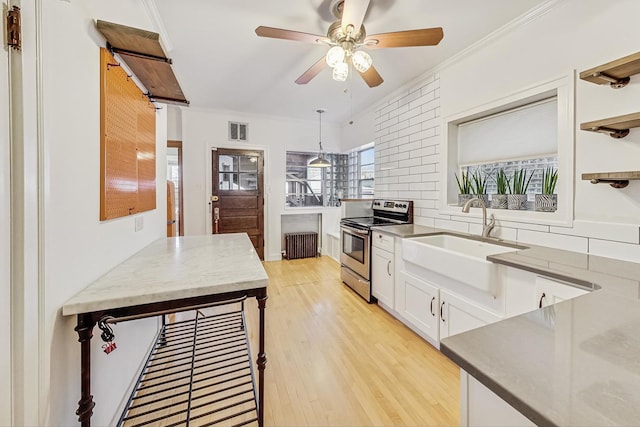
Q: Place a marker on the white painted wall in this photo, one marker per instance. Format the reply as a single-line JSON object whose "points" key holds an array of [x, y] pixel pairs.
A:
{"points": [[5, 244], [573, 34], [202, 130], [61, 113], [174, 123], [360, 132]]}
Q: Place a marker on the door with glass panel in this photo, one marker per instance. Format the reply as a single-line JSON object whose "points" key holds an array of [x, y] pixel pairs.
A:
{"points": [[237, 197]]}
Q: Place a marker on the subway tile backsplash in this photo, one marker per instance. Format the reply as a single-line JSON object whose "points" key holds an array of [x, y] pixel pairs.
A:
{"points": [[408, 166]]}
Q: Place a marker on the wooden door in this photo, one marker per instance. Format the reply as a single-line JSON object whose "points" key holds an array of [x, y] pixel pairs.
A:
{"points": [[237, 197], [171, 210], [174, 173]]}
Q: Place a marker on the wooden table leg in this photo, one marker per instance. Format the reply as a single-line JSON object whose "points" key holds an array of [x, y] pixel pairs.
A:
{"points": [[262, 360], [86, 403]]}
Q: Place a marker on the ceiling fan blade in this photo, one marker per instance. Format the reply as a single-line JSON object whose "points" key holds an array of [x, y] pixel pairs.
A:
{"points": [[278, 33], [424, 37], [371, 77], [312, 72], [353, 14]]}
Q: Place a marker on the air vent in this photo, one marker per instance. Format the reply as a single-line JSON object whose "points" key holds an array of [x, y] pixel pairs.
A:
{"points": [[238, 131]]}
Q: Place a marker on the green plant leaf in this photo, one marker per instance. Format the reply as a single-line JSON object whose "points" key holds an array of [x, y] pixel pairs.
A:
{"points": [[464, 183], [479, 182]]}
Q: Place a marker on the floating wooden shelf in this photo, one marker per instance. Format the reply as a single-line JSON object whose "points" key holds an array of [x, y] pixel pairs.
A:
{"points": [[143, 54], [615, 179], [615, 73], [616, 127]]}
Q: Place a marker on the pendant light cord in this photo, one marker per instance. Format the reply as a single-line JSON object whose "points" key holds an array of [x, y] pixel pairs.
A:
{"points": [[320, 113]]}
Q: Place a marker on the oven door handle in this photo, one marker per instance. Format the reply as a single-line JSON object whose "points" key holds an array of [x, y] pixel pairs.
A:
{"points": [[356, 231]]}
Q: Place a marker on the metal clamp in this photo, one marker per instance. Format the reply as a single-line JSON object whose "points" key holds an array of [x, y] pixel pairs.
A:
{"points": [[613, 133], [614, 82]]}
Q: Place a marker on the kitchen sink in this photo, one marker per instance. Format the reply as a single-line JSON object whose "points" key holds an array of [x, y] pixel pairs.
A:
{"points": [[460, 258]]}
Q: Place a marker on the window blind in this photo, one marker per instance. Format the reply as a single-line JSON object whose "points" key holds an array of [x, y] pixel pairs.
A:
{"points": [[529, 131]]}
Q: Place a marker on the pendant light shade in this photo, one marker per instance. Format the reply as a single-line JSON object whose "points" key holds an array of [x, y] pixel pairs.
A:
{"points": [[320, 161]]}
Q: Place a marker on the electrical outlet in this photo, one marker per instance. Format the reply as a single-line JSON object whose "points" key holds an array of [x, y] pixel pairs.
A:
{"points": [[139, 223]]}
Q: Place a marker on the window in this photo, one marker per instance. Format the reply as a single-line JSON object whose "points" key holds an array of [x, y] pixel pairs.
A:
{"points": [[238, 172], [308, 186], [365, 172], [361, 172], [532, 129], [533, 166]]}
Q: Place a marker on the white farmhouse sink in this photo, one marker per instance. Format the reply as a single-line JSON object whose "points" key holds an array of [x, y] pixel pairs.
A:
{"points": [[457, 257]]}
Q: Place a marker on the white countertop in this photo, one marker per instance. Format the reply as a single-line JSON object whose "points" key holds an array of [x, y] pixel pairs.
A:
{"points": [[175, 268]]}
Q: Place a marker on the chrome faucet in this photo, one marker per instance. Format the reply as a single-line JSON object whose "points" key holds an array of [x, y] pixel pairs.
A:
{"points": [[486, 227]]}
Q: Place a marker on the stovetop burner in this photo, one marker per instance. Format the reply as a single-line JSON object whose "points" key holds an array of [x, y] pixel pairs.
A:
{"points": [[385, 212], [370, 221]]}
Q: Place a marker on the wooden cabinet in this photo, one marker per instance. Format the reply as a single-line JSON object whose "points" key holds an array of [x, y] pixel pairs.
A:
{"points": [[383, 269], [549, 291], [458, 315]]}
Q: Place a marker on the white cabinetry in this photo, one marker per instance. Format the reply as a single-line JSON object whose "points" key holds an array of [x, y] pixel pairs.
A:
{"points": [[458, 315], [549, 291], [382, 269], [333, 246], [479, 406], [418, 304]]}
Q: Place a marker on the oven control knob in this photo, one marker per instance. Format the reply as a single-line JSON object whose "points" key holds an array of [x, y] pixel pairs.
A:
{"points": [[404, 206], [397, 205]]}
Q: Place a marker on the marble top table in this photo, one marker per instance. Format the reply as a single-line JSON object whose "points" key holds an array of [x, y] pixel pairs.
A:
{"points": [[171, 268], [170, 275]]}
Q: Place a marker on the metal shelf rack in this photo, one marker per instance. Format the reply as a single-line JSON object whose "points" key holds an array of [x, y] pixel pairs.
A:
{"points": [[199, 373]]}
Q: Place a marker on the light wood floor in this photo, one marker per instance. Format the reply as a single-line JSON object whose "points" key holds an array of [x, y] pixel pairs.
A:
{"points": [[334, 360]]}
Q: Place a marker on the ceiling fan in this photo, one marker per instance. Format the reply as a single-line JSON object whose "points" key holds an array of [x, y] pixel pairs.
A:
{"points": [[347, 36]]}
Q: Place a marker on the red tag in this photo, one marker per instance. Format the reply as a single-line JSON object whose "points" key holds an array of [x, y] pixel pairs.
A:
{"points": [[109, 347]]}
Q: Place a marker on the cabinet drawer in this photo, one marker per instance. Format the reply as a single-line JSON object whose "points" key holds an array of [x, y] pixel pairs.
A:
{"points": [[382, 241]]}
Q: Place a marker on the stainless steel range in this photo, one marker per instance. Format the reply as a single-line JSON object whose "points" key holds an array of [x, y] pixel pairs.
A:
{"points": [[355, 257]]}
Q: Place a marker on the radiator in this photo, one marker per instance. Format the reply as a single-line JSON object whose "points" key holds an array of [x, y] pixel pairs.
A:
{"points": [[301, 245]]}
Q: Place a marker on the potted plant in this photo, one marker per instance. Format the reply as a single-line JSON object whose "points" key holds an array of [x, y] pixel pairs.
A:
{"points": [[548, 201], [517, 197], [479, 187], [464, 188], [499, 200]]}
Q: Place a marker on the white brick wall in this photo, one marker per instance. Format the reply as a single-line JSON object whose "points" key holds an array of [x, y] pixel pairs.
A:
{"points": [[408, 166]]}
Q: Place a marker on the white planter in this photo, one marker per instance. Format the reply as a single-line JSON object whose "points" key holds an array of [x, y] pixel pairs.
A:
{"points": [[484, 198], [517, 201], [499, 201], [464, 198], [546, 202]]}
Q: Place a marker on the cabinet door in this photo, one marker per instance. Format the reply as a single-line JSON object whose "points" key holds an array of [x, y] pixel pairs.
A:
{"points": [[382, 283], [420, 305], [458, 315], [549, 291]]}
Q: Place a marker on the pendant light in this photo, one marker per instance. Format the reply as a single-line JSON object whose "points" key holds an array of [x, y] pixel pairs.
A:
{"points": [[320, 161]]}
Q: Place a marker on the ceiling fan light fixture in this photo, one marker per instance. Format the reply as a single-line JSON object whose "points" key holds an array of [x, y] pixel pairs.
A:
{"points": [[361, 61], [340, 72], [335, 55]]}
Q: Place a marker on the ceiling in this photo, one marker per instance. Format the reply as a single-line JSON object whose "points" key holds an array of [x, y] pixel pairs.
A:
{"points": [[221, 64]]}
